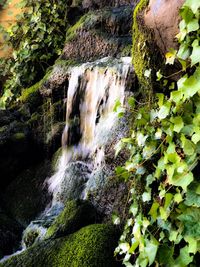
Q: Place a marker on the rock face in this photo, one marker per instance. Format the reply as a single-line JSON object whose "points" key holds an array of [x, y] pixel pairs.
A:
{"points": [[103, 32], [154, 29], [166, 29], [10, 232]]}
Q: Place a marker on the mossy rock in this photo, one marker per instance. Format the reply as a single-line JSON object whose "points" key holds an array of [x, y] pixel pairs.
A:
{"points": [[92, 246], [75, 215], [145, 53], [32, 94]]}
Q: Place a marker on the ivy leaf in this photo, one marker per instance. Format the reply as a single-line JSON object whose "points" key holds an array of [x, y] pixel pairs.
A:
{"points": [[187, 145], [193, 25], [192, 195], [191, 222], [141, 139], [192, 244], [165, 255], [196, 138], [193, 5], [195, 56], [170, 57], [154, 210], [151, 250], [184, 51], [184, 259], [190, 86], [131, 102], [176, 96], [178, 123], [164, 110], [182, 180]]}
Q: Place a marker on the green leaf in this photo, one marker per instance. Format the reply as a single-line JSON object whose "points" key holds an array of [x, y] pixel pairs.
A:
{"points": [[195, 56], [154, 210], [187, 145], [193, 25], [192, 244], [182, 180], [176, 96], [178, 123], [165, 255], [191, 222], [192, 195], [170, 57], [190, 86], [194, 5], [131, 102], [160, 99], [196, 137], [184, 259], [184, 51], [164, 110], [151, 250]]}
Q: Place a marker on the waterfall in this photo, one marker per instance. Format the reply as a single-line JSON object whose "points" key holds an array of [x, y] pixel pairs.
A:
{"points": [[92, 93], [91, 126]]}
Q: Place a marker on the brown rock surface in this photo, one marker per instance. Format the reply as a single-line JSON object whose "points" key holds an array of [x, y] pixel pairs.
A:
{"points": [[162, 16]]}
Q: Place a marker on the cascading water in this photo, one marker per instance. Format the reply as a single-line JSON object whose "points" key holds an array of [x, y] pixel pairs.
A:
{"points": [[91, 125], [92, 93]]}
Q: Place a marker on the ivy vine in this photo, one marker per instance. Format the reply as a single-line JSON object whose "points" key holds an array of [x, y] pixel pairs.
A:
{"points": [[37, 40], [164, 224]]}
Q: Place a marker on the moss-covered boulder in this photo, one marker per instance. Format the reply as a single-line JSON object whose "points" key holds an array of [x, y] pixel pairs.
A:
{"points": [[75, 215], [92, 246], [109, 28]]}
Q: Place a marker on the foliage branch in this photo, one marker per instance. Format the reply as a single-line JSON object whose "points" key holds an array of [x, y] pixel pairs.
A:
{"points": [[37, 39], [164, 224]]}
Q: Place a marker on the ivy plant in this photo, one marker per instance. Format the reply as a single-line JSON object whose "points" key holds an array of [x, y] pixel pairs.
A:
{"points": [[163, 228], [37, 39]]}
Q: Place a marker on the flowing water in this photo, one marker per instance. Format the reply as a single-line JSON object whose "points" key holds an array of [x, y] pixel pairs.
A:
{"points": [[91, 126], [93, 91]]}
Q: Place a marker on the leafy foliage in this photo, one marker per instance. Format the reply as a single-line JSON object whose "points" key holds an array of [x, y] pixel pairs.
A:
{"points": [[37, 40], [163, 228]]}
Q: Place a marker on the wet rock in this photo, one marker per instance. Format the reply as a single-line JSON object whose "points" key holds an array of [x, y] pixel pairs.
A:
{"points": [[72, 182], [27, 196]]}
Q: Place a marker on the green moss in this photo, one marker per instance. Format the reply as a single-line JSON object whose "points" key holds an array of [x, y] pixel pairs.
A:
{"points": [[126, 51], [31, 94], [18, 136], [75, 215], [55, 159], [144, 52], [85, 21], [65, 63], [92, 246]]}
